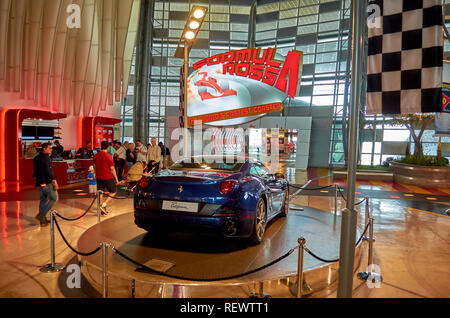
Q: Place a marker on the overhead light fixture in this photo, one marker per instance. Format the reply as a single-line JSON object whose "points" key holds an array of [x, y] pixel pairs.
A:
{"points": [[191, 30], [194, 25], [189, 35], [199, 13]]}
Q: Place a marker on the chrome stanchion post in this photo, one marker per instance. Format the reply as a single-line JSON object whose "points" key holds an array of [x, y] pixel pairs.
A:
{"points": [[98, 205], [301, 248], [367, 217], [335, 199], [105, 268], [370, 261], [260, 293], [53, 267], [371, 274], [133, 288]]}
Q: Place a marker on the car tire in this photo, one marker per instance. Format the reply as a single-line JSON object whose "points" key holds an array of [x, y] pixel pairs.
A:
{"points": [[153, 232], [259, 226], [285, 209]]}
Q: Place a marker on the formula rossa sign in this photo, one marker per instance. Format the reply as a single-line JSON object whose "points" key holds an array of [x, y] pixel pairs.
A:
{"points": [[239, 86]]}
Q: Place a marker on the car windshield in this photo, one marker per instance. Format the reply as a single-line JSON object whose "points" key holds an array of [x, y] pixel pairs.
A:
{"points": [[196, 164]]}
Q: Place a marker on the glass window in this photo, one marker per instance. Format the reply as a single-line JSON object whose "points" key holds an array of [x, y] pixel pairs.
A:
{"points": [[255, 170], [395, 135], [366, 160], [288, 23], [309, 10], [289, 14], [308, 19], [265, 173], [307, 29]]}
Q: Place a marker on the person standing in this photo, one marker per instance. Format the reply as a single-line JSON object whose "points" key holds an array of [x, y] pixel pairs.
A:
{"points": [[85, 152], [92, 181], [59, 147], [131, 156], [141, 152], [107, 180], [165, 152], [111, 149], [45, 182], [120, 157], [153, 156]]}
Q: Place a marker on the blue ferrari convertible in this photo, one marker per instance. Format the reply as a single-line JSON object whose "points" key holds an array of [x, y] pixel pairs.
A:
{"points": [[236, 200]]}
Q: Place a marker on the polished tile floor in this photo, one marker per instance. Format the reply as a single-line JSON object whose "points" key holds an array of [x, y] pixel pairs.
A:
{"points": [[411, 245]]}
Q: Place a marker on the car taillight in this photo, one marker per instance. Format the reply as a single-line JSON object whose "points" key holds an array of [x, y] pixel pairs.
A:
{"points": [[144, 182], [227, 186]]}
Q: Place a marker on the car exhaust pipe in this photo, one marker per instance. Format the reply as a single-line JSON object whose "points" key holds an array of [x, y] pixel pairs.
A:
{"points": [[230, 227]]}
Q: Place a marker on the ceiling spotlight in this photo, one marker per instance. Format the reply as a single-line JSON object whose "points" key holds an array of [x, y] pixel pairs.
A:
{"points": [[194, 25], [199, 13], [189, 35]]}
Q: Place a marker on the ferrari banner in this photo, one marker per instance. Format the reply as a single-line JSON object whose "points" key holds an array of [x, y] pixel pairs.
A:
{"points": [[442, 121], [446, 97]]}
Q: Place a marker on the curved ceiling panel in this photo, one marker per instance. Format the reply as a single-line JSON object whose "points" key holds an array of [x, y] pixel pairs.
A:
{"points": [[47, 59]]}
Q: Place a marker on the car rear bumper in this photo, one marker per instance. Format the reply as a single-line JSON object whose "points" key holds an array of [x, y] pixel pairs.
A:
{"points": [[229, 226]]}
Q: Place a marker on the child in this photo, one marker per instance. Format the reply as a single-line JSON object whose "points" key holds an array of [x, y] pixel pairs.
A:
{"points": [[92, 181]]}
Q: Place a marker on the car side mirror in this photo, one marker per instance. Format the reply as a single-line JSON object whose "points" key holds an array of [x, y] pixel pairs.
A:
{"points": [[279, 176]]}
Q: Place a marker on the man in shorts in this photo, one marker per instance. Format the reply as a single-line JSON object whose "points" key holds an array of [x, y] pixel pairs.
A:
{"points": [[106, 175]]}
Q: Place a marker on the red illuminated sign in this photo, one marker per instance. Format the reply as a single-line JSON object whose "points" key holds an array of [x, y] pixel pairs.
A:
{"points": [[252, 64], [237, 113]]}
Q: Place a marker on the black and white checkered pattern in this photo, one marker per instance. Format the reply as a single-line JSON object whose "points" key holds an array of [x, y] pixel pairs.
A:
{"points": [[405, 58]]}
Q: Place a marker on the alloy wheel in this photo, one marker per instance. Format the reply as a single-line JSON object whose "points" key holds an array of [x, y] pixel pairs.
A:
{"points": [[260, 221]]}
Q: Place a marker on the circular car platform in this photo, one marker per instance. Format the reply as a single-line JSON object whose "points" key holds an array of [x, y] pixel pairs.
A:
{"points": [[196, 256]]}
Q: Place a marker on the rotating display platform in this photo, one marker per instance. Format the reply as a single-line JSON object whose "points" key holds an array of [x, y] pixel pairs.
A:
{"points": [[201, 256]]}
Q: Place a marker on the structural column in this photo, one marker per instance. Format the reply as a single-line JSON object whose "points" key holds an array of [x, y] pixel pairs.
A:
{"points": [[143, 63], [349, 222], [252, 25]]}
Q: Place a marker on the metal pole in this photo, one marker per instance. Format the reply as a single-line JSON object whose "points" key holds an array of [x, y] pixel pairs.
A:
{"points": [[371, 274], [355, 102], [367, 216], [349, 222], [99, 204], [347, 254], [186, 68], [133, 288], [301, 242], [52, 238], [366, 219], [370, 261], [335, 199], [261, 289], [53, 266], [105, 269]]}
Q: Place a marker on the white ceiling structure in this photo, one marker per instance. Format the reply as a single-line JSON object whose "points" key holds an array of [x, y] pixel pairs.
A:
{"points": [[62, 61]]}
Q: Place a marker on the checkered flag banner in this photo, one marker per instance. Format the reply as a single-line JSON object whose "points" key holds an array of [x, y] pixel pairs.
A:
{"points": [[405, 57]]}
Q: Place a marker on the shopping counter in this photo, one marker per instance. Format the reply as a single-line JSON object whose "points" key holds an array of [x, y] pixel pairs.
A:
{"points": [[66, 171]]}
